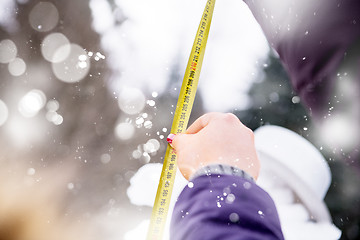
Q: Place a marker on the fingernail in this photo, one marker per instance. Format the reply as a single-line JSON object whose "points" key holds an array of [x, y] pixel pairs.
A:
{"points": [[170, 138]]}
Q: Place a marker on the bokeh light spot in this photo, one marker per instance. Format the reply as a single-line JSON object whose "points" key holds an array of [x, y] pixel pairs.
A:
{"points": [[32, 103], [337, 132], [131, 100], [4, 113], [58, 119], [8, 51], [75, 67], [44, 17], [136, 154], [31, 171], [152, 146], [53, 105], [51, 45], [17, 67], [148, 124], [124, 131], [105, 158]]}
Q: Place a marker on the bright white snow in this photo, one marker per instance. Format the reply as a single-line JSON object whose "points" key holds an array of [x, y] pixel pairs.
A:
{"points": [[156, 38], [157, 35]]}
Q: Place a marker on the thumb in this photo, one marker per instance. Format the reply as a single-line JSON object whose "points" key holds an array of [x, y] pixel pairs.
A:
{"points": [[176, 140]]}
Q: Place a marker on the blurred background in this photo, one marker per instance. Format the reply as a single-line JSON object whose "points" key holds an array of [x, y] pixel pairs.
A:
{"points": [[87, 94]]}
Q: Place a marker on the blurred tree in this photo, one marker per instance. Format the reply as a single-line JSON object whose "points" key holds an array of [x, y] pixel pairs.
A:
{"points": [[274, 102], [88, 108], [95, 164], [90, 114]]}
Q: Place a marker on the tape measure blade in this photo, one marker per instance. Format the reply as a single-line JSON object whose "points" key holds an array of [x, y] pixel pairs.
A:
{"points": [[181, 119], [162, 200], [192, 72]]}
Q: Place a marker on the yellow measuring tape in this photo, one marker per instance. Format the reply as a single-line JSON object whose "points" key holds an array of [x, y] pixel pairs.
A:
{"points": [[179, 125]]}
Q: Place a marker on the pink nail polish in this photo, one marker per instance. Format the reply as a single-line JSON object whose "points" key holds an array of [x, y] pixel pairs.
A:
{"points": [[170, 138]]}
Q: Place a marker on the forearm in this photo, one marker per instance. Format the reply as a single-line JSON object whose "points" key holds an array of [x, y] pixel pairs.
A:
{"points": [[217, 206]]}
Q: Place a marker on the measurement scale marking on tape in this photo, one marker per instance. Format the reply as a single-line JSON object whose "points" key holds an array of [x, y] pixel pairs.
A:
{"points": [[179, 125]]}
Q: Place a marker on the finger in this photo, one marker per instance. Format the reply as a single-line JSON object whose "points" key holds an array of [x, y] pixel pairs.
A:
{"points": [[202, 122], [176, 140], [170, 138]]}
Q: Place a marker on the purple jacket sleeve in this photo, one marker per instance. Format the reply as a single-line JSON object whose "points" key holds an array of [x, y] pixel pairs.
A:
{"points": [[224, 207], [311, 38]]}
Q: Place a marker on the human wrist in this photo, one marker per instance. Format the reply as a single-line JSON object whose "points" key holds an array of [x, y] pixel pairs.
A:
{"points": [[222, 169]]}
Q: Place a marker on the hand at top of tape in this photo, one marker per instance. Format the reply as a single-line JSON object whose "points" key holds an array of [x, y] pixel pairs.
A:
{"points": [[216, 138]]}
